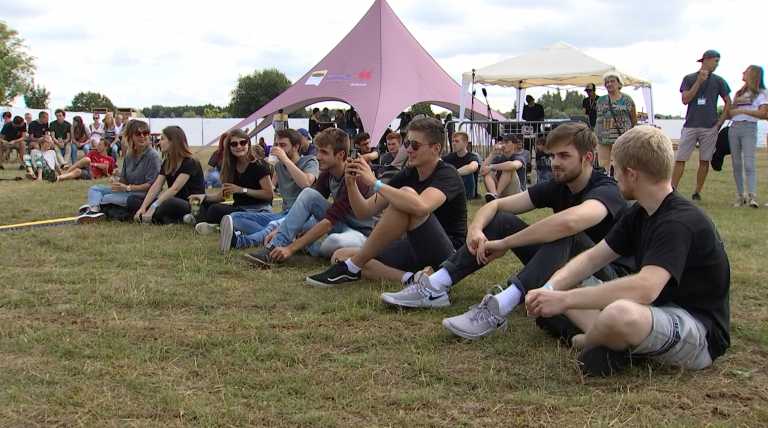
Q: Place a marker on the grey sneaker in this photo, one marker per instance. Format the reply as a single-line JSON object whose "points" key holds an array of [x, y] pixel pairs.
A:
{"points": [[90, 217], [418, 294], [753, 203], [206, 228], [189, 219], [261, 257], [740, 202], [481, 320]]}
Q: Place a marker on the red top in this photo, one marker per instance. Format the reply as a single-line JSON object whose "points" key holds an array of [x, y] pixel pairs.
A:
{"points": [[95, 157]]}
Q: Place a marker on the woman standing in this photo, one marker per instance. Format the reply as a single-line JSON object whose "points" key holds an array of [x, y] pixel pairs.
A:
{"points": [[749, 105], [80, 137], [616, 114], [314, 122], [140, 168], [184, 175], [111, 134], [244, 176], [339, 120]]}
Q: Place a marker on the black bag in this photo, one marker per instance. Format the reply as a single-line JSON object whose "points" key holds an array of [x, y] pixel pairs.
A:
{"points": [[722, 149], [117, 212]]}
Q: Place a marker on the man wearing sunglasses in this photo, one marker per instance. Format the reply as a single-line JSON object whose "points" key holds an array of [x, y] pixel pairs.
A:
{"points": [[425, 202], [586, 204]]}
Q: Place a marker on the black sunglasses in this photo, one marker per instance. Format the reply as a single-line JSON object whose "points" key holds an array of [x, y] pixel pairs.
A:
{"points": [[140, 133], [416, 145], [242, 143]]}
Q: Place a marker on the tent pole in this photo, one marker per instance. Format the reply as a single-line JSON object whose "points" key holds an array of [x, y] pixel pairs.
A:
{"points": [[472, 108]]}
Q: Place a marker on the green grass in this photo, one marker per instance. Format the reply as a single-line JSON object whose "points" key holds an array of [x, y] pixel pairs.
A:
{"points": [[125, 325]]}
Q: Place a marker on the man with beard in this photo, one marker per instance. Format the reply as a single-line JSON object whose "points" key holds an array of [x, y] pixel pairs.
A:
{"points": [[586, 204]]}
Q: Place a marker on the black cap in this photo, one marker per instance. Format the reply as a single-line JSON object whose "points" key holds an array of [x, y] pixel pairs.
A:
{"points": [[590, 86], [509, 137], [709, 54]]}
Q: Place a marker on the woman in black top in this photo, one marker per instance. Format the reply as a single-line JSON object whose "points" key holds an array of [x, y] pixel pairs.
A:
{"points": [[314, 125], [244, 175], [184, 175]]}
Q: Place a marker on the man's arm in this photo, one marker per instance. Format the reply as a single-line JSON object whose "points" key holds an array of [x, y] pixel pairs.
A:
{"points": [[582, 266], [468, 169], [302, 179], [726, 110], [363, 208], [316, 232], [689, 94], [370, 157], [508, 166], [419, 205], [515, 204]]}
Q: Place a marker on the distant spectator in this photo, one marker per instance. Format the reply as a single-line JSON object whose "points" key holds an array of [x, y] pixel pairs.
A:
{"points": [[339, 120], [394, 141], [12, 137], [37, 130], [214, 164], [96, 164], [350, 123], [81, 137], [543, 164], [264, 145], [280, 121], [314, 122], [533, 112], [450, 127], [363, 145], [97, 129], [6, 117], [503, 170], [111, 135], [61, 133], [307, 148], [42, 164], [589, 105], [464, 161], [324, 118], [616, 114]]}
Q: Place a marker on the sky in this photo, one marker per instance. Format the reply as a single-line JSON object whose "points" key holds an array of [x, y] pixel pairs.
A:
{"points": [[183, 53]]}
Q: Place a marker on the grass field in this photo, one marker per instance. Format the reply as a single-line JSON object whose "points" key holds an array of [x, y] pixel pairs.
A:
{"points": [[126, 325]]}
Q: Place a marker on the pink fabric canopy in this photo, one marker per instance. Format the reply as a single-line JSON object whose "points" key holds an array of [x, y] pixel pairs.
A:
{"points": [[379, 69]]}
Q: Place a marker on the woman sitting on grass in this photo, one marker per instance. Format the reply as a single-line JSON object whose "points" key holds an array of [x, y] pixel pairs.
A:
{"points": [[244, 175], [81, 137], [140, 168], [111, 135], [184, 175], [96, 164], [42, 164]]}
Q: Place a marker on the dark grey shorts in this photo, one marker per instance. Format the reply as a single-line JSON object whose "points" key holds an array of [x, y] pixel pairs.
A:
{"points": [[85, 173], [427, 245]]}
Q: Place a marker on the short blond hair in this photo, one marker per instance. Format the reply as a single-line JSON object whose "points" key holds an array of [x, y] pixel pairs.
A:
{"points": [[647, 149], [461, 134]]}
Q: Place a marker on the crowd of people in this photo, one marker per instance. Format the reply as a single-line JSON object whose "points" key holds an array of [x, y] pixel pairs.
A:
{"points": [[618, 282]]}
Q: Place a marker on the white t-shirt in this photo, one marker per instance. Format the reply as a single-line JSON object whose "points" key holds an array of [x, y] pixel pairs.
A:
{"points": [[97, 132], [748, 102], [48, 155]]}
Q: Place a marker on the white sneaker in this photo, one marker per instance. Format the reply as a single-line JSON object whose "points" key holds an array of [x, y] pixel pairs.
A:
{"points": [[753, 203], [90, 217], [206, 228], [480, 320], [227, 234], [740, 202], [419, 294], [189, 219], [83, 209]]}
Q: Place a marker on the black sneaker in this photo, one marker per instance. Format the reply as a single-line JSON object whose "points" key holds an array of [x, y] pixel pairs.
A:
{"points": [[601, 361], [337, 274], [261, 257], [696, 197], [490, 197], [22, 168], [559, 327]]}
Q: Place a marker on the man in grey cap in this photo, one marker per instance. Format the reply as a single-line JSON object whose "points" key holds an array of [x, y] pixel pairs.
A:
{"points": [[700, 92]]}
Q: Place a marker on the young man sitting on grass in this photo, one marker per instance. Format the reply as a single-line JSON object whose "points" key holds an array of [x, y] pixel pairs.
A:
{"points": [[96, 164], [337, 220], [503, 170], [586, 204], [426, 203], [675, 308], [464, 161]]}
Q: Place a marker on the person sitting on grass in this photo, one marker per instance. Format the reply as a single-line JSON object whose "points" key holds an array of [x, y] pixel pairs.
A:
{"points": [[464, 161], [214, 164], [81, 137], [426, 203], [12, 137], [246, 177], [675, 307], [42, 164], [503, 171], [336, 219], [294, 174], [363, 146], [140, 168], [181, 171], [96, 164]]}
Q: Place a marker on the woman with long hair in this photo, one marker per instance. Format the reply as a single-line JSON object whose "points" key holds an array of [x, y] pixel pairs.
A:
{"points": [[244, 175], [81, 137], [140, 168], [314, 122], [616, 114], [750, 104], [97, 129], [110, 134], [214, 164], [184, 175]]}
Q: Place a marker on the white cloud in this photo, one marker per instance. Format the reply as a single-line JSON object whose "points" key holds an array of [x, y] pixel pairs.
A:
{"points": [[174, 52]]}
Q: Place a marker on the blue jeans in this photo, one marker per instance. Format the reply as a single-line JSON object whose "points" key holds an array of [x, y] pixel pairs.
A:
{"points": [[214, 177], [100, 194], [113, 152], [86, 148], [249, 223], [469, 185]]}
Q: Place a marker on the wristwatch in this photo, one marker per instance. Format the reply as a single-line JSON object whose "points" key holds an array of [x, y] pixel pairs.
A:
{"points": [[245, 191], [128, 189]]}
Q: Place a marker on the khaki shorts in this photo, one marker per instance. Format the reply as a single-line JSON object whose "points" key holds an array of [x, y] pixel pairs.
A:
{"points": [[707, 139], [513, 188], [677, 338]]}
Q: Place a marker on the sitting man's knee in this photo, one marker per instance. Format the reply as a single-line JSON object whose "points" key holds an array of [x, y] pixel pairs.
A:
{"points": [[308, 193], [620, 316], [343, 253]]}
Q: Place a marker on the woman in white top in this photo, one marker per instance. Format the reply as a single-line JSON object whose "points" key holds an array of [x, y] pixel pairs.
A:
{"points": [[97, 130], [749, 105]]}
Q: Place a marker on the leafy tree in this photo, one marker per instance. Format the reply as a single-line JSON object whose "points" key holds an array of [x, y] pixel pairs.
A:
{"points": [[189, 114], [87, 101], [180, 111], [17, 68], [255, 90], [37, 97], [555, 107], [422, 108], [301, 113], [211, 113]]}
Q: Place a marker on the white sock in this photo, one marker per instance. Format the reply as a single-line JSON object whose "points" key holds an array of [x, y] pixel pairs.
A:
{"points": [[351, 266], [440, 280], [406, 277], [508, 299]]}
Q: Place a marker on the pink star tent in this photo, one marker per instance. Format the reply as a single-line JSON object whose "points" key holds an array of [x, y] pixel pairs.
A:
{"points": [[378, 68]]}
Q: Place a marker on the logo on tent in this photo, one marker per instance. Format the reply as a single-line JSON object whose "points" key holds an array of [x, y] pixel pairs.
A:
{"points": [[316, 77], [337, 77], [365, 74]]}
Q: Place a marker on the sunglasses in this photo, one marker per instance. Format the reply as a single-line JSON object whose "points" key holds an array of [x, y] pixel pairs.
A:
{"points": [[140, 133], [416, 145], [241, 143]]}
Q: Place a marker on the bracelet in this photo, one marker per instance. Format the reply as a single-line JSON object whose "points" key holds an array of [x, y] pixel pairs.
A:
{"points": [[154, 204], [490, 167], [377, 185], [549, 287]]}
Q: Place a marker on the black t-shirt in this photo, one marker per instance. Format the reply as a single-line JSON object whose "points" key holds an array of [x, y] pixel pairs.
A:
{"points": [[590, 106], [314, 127], [11, 133], [452, 214], [214, 161], [604, 189], [37, 129], [250, 179], [533, 114], [682, 239], [543, 166], [458, 162], [194, 186]]}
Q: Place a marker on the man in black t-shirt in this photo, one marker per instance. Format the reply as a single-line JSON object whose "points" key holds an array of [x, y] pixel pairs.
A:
{"points": [[533, 112], [675, 305], [425, 201], [465, 162], [586, 204], [37, 130], [12, 137], [362, 143], [589, 105]]}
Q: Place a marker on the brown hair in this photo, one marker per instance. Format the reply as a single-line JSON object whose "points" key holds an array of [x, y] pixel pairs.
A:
{"points": [[78, 128], [576, 133], [753, 82], [645, 149], [58, 110], [229, 160], [395, 136], [291, 134], [128, 130], [361, 137], [433, 129], [461, 134], [337, 139], [178, 151]]}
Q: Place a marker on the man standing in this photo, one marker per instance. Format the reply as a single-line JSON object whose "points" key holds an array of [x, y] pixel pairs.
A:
{"points": [[307, 148], [337, 220], [589, 105], [533, 112], [61, 133], [675, 306], [37, 130], [350, 122], [426, 203], [464, 161], [503, 170], [700, 93]]}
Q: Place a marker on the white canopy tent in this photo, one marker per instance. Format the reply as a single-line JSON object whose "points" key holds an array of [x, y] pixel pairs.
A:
{"points": [[558, 64]]}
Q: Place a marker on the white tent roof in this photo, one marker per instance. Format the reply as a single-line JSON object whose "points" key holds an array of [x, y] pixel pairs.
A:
{"points": [[558, 64]]}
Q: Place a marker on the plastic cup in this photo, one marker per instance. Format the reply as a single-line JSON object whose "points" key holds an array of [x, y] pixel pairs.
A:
{"points": [[146, 219]]}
